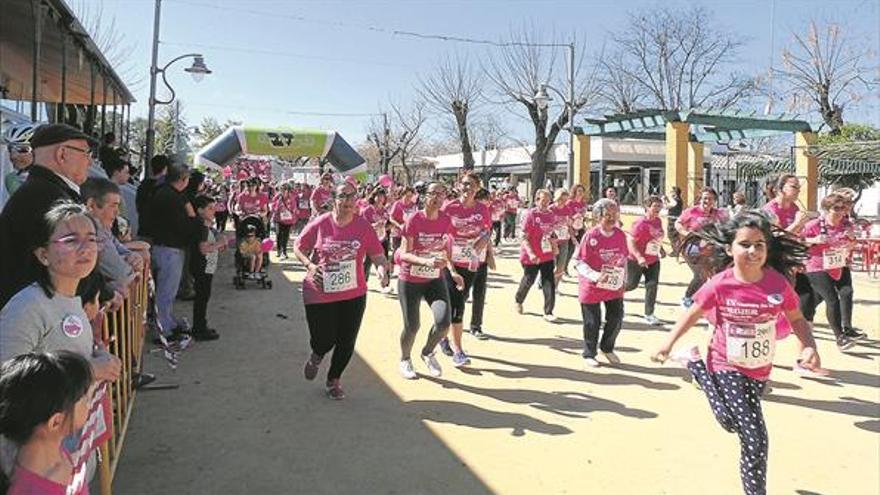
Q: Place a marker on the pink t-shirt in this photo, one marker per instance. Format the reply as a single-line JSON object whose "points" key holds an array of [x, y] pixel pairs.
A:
{"points": [[400, 211], [746, 319], [322, 199], [426, 238], [303, 210], [249, 204], [783, 216], [285, 209], [578, 211], [497, 209], [694, 217], [648, 236], [563, 218], [26, 482], [340, 252], [511, 202], [606, 254], [468, 224], [377, 217], [831, 256], [538, 227]]}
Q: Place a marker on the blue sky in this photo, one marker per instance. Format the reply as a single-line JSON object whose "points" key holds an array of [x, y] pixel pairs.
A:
{"points": [[331, 61]]}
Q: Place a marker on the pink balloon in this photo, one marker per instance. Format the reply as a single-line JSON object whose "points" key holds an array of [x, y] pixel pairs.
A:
{"points": [[386, 181], [267, 245]]}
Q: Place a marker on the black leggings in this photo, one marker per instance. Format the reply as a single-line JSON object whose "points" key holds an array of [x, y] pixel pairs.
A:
{"points": [[806, 296], [838, 297], [202, 286], [634, 273], [548, 284], [697, 280], [496, 226], [573, 245], [592, 314], [458, 298], [410, 295], [368, 263], [281, 238], [334, 326], [220, 218]]}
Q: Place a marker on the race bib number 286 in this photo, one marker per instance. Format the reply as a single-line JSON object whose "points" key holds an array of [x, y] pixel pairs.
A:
{"points": [[341, 276]]}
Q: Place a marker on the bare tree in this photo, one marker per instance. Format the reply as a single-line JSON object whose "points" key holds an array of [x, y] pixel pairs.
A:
{"points": [[679, 60], [524, 64], [454, 88], [826, 68], [110, 40], [619, 91], [396, 135]]}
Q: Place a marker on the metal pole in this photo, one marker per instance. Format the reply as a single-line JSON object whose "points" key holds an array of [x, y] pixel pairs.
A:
{"points": [[103, 105], [128, 127], [385, 133], [151, 115], [176, 126], [61, 113], [37, 7], [570, 172], [93, 112], [113, 126]]}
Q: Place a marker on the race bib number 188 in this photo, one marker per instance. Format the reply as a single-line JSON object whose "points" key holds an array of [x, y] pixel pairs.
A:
{"points": [[750, 345]]}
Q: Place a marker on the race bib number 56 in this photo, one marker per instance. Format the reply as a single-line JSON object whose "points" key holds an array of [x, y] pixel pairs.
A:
{"points": [[750, 345], [341, 276]]}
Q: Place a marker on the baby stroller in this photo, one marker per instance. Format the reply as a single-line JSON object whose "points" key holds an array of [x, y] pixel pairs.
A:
{"points": [[247, 226]]}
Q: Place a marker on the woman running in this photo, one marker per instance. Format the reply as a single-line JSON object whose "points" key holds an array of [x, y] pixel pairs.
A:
{"points": [[424, 253], [580, 210], [601, 265], [830, 238], [333, 247], [745, 303], [401, 209], [645, 250], [471, 232], [284, 215], [376, 213], [691, 220], [562, 231], [537, 252]]}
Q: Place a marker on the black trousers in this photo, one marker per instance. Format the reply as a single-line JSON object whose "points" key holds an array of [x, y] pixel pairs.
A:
{"points": [[202, 285], [806, 296], [334, 326], [368, 263], [509, 225], [634, 273], [592, 315], [457, 298], [838, 297], [548, 284], [674, 236], [281, 238], [496, 226], [220, 219], [697, 280]]}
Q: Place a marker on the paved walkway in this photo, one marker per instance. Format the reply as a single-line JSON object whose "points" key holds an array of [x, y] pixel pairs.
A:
{"points": [[525, 418]]}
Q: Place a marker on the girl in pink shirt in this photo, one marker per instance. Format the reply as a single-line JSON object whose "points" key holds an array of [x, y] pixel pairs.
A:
{"points": [[400, 210], [562, 232], [645, 250], [691, 220], [601, 265], [44, 398], [745, 303], [579, 207], [321, 198], [537, 251], [830, 239], [284, 216], [333, 247], [376, 213]]}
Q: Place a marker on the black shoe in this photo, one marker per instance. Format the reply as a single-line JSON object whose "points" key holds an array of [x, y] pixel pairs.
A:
{"points": [[853, 333], [139, 380], [844, 342], [205, 335], [478, 334]]}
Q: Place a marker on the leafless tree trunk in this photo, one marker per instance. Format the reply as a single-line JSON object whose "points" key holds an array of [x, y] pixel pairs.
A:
{"points": [[111, 41], [619, 90], [678, 61], [824, 67], [518, 70], [455, 88], [397, 135]]}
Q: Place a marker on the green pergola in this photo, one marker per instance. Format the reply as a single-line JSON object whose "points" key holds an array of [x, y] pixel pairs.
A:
{"points": [[685, 133]]}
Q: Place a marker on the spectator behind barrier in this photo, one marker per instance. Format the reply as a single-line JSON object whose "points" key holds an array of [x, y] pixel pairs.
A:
{"points": [[158, 167]]}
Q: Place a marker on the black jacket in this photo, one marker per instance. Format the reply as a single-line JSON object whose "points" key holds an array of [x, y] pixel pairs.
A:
{"points": [[172, 226], [143, 198], [21, 223]]}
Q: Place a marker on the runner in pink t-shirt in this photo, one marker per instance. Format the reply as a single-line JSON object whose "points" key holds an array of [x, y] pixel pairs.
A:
{"points": [[691, 220], [511, 208], [601, 266], [400, 210], [424, 253], [376, 213], [537, 251], [830, 239], [333, 247], [471, 232], [745, 304], [284, 216], [562, 232], [496, 204], [645, 244], [321, 199]]}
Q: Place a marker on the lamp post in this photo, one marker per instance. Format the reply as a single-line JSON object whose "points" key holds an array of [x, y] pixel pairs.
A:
{"points": [[198, 69], [542, 101]]}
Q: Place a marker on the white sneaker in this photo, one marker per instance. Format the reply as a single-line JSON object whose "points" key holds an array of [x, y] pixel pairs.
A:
{"points": [[386, 289], [406, 370], [685, 356], [518, 308], [551, 318], [433, 366], [652, 320], [611, 357], [591, 363]]}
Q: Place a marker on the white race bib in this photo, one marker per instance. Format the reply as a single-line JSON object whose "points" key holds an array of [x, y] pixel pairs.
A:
{"points": [[653, 248], [303, 204], [285, 215], [577, 222], [341, 276], [546, 247], [463, 251], [380, 231], [611, 277], [562, 233], [834, 258], [423, 271], [750, 345]]}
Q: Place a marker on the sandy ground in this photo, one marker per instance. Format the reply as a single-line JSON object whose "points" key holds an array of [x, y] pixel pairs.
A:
{"points": [[524, 418]]}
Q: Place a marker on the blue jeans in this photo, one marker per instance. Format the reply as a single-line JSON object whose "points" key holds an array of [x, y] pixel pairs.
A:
{"points": [[167, 268]]}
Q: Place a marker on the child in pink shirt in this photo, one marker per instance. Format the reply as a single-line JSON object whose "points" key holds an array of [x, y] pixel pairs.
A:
{"points": [[537, 251], [745, 304]]}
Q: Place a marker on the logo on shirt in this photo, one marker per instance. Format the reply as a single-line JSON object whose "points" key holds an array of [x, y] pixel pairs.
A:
{"points": [[593, 242], [72, 326], [774, 299]]}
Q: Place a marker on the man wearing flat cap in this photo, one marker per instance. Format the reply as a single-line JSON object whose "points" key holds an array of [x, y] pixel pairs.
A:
{"points": [[61, 163]]}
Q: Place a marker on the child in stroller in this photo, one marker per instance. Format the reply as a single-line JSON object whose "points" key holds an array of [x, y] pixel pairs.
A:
{"points": [[250, 259]]}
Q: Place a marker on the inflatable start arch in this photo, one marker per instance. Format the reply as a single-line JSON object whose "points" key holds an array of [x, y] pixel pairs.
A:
{"points": [[293, 143]]}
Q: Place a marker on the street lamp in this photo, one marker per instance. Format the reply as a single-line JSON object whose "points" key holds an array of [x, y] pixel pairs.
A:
{"points": [[542, 100], [197, 70]]}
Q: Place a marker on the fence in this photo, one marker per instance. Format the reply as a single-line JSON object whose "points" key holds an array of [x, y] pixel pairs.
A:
{"points": [[123, 332]]}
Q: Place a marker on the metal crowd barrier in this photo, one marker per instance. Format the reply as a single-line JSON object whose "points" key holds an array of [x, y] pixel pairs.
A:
{"points": [[123, 331]]}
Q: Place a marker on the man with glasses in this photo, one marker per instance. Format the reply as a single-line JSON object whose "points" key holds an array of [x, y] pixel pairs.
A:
{"points": [[61, 159]]}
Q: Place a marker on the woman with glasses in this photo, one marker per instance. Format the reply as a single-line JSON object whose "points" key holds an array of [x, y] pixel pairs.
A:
{"points": [[424, 253], [645, 244], [537, 252], [691, 220], [830, 239], [47, 315], [333, 247], [322, 197], [376, 213], [471, 232], [578, 203]]}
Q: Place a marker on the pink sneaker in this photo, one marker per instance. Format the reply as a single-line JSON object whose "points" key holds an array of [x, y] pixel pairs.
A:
{"points": [[334, 389], [685, 356], [310, 370]]}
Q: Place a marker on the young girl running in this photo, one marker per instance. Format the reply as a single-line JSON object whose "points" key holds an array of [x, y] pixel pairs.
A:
{"points": [[746, 303], [537, 252], [38, 423]]}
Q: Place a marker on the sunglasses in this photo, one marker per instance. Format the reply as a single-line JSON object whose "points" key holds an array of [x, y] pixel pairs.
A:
{"points": [[345, 196], [20, 149]]}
